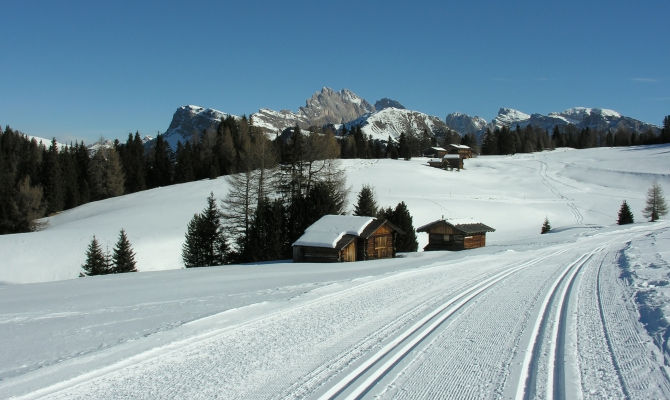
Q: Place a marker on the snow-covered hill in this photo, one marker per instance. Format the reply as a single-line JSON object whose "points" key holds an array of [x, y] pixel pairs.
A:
{"points": [[513, 194], [577, 313]]}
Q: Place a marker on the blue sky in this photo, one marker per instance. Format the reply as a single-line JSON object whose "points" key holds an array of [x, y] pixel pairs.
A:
{"points": [[86, 69]]}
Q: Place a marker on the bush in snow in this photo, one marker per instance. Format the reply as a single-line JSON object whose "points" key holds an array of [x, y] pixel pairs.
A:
{"points": [[546, 227]]}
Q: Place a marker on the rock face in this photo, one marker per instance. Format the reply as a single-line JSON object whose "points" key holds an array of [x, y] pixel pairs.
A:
{"points": [[388, 103], [391, 122], [191, 121], [324, 107], [465, 124]]}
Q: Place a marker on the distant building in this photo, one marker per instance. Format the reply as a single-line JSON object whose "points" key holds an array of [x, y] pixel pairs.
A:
{"points": [[455, 234], [448, 161], [460, 149], [435, 152], [337, 238]]}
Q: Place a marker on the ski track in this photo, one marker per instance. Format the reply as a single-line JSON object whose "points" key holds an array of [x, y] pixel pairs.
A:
{"points": [[187, 369], [522, 328], [547, 181]]}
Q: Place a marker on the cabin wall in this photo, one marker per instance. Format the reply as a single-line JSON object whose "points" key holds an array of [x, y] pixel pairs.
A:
{"points": [[444, 237], [349, 252], [315, 254], [379, 245], [474, 241]]}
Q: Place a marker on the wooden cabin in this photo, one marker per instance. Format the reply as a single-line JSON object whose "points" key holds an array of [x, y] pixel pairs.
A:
{"points": [[435, 152], [341, 238], [460, 149], [448, 161], [455, 234]]}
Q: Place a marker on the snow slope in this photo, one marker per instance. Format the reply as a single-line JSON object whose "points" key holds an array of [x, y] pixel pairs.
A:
{"points": [[577, 313], [512, 194]]}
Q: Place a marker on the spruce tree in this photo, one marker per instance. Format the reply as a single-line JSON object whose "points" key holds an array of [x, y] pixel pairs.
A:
{"points": [[205, 243], [96, 261], [400, 217], [191, 252], [366, 205], [625, 215], [123, 255], [656, 206], [546, 227]]}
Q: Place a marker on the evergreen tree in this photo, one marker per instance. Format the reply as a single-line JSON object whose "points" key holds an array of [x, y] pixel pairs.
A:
{"points": [[123, 256], [656, 206], [546, 227], [96, 261], [625, 215], [205, 243], [404, 149], [192, 249], [366, 205], [52, 180], [401, 218]]}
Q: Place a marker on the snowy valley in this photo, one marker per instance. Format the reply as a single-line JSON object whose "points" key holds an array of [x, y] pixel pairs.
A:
{"points": [[576, 313]]}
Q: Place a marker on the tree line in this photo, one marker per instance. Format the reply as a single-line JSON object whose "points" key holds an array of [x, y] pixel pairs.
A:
{"points": [[503, 140], [37, 181]]}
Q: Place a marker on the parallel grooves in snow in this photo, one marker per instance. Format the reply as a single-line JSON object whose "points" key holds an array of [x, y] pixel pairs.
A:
{"points": [[528, 376], [392, 353]]}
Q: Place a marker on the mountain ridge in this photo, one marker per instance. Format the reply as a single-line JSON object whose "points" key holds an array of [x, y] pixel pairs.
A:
{"points": [[388, 118]]}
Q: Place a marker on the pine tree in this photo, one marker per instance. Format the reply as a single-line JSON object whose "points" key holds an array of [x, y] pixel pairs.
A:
{"points": [[401, 218], [366, 205], [191, 252], [625, 215], [205, 243], [656, 206], [404, 149], [123, 256], [546, 227], [96, 261]]}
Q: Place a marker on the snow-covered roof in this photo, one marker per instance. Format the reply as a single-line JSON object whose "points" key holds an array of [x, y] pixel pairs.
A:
{"points": [[438, 148], [460, 146], [329, 229], [465, 225]]}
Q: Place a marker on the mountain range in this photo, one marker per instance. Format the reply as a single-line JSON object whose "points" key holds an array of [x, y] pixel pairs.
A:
{"points": [[388, 118]]}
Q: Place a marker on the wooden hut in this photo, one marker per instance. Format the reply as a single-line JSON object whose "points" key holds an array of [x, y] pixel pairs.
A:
{"points": [[460, 149], [338, 238], [435, 152], [455, 234]]}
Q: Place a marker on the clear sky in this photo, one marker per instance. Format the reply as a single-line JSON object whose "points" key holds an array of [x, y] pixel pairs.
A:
{"points": [[86, 69]]}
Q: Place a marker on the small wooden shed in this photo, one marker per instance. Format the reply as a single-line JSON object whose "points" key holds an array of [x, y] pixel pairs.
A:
{"points": [[435, 152], [340, 238], [460, 149], [455, 234]]}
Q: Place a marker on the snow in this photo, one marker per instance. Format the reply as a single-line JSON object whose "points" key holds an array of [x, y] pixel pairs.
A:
{"points": [[329, 229], [425, 325]]}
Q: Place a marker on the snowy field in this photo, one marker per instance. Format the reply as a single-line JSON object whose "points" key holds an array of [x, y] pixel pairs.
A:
{"points": [[529, 316]]}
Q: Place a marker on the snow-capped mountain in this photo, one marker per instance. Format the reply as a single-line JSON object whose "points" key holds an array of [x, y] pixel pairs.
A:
{"points": [[600, 119], [465, 124], [324, 107], [581, 117], [191, 121], [391, 122]]}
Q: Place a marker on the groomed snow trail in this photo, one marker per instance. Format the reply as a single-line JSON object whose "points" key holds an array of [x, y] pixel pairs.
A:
{"points": [[550, 322]]}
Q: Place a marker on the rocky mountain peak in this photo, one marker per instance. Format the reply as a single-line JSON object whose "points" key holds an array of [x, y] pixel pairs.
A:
{"points": [[388, 103]]}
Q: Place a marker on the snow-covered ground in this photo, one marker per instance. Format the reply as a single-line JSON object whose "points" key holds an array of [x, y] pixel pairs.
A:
{"points": [[530, 315]]}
